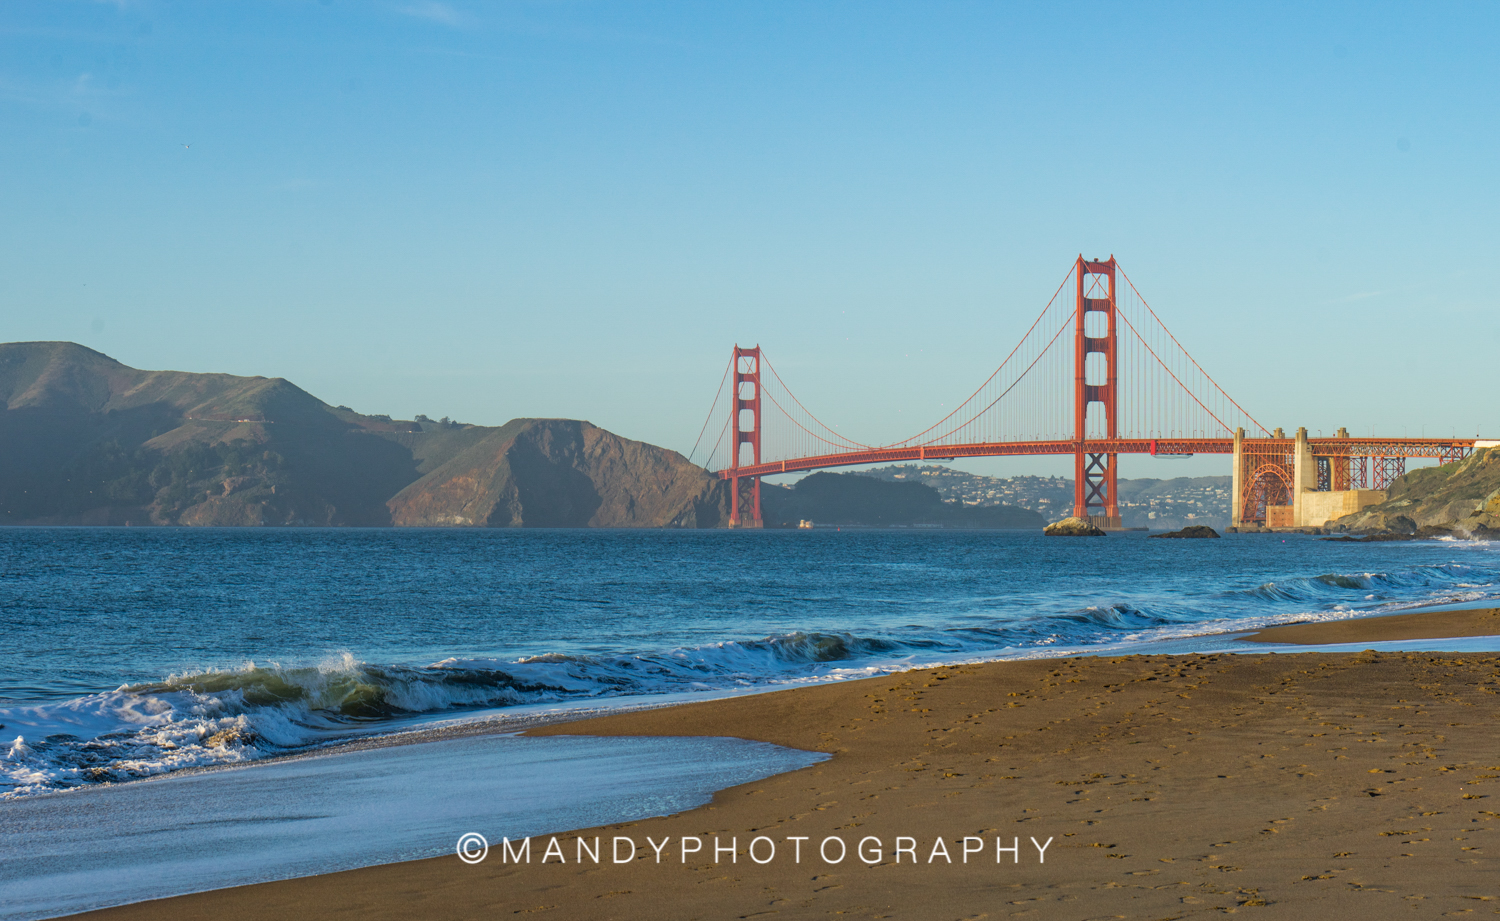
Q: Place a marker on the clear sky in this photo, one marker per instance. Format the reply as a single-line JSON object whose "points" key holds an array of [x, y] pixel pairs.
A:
{"points": [[491, 210]]}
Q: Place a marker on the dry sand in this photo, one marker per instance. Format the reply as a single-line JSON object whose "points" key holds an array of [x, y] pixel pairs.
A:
{"points": [[1283, 786]]}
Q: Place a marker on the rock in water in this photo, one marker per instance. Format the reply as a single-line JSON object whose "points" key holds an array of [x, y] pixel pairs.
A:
{"points": [[1072, 527], [1474, 528], [1192, 530]]}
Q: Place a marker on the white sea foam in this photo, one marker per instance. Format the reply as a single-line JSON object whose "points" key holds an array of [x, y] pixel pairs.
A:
{"points": [[113, 845], [234, 715]]}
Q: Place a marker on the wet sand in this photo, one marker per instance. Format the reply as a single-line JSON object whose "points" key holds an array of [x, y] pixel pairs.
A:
{"points": [[1419, 626], [1170, 787]]}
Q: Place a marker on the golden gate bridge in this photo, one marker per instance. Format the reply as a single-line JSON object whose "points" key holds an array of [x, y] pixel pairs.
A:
{"points": [[1097, 375]]}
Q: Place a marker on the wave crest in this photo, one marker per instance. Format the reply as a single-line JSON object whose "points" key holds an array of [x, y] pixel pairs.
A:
{"points": [[222, 716]]}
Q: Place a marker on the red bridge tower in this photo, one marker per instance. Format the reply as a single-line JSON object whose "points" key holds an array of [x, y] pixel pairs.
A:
{"points": [[744, 509], [1095, 475]]}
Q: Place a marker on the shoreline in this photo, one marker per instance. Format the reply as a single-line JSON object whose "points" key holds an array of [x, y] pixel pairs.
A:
{"points": [[1168, 786], [1449, 621], [1383, 628], [1439, 622]]}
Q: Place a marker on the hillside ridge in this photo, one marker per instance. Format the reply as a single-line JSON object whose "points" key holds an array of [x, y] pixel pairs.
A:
{"points": [[86, 439]]}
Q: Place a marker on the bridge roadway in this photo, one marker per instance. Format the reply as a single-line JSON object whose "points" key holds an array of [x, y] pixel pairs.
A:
{"points": [[1445, 449]]}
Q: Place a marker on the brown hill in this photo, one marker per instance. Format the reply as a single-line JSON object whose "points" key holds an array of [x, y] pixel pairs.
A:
{"points": [[561, 473], [85, 439]]}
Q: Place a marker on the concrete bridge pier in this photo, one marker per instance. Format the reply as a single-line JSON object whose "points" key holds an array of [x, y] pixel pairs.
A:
{"points": [[1304, 476], [1236, 490], [1312, 500], [1316, 503]]}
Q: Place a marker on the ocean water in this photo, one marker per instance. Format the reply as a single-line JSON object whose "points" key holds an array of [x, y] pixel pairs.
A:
{"points": [[112, 844], [133, 653]]}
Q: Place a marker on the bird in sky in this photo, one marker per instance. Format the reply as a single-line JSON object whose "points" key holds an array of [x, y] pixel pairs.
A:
{"points": [[186, 146]]}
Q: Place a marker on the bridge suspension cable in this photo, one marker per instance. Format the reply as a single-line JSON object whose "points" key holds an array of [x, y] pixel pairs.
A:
{"points": [[1258, 428], [712, 407], [808, 413], [1026, 338], [1156, 389]]}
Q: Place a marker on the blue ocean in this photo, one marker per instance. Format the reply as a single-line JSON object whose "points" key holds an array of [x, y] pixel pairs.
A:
{"points": [[133, 653]]}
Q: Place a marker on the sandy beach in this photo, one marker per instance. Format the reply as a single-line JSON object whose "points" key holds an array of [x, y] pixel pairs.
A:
{"points": [[1141, 787], [1417, 626]]}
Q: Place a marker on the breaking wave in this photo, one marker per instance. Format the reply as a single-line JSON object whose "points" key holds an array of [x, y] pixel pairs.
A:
{"points": [[225, 716], [257, 710], [1364, 586]]}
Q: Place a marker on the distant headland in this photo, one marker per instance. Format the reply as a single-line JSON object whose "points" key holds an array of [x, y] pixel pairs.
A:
{"points": [[86, 440]]}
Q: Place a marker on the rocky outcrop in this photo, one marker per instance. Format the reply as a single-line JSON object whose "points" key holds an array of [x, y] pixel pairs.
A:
{"points": [[1072, 527], [1195, 531], [1476, 528], [1461, 499]]}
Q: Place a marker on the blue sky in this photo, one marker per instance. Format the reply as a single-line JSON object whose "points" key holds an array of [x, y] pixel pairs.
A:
{"points": [[575, 209]]}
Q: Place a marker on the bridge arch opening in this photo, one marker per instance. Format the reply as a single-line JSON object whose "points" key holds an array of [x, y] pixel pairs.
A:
{"points": [[1270, 484]]}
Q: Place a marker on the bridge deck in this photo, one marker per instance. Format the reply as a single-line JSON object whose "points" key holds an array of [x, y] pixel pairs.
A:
{"points": [[1442, 448]]}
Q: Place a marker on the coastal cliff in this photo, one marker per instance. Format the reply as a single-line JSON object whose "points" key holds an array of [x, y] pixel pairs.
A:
{"points": [[1462, 499]]}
